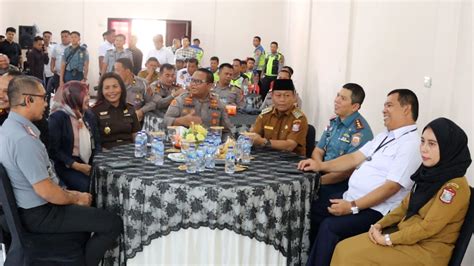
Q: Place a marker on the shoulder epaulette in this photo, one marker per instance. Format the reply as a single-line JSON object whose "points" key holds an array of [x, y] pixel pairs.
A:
{"points": [[358, 124], [333, 118], [297, 113], [266, 110]]}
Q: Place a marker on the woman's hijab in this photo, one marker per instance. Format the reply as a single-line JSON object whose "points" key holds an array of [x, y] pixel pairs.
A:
{"points": [[454, 161], [70, 99]]}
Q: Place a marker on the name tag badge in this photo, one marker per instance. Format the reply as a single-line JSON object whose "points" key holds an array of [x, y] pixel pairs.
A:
{"points": [[268, 127]]}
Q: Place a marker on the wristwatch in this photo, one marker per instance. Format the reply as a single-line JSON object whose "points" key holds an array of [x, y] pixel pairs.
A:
{"points": [[354, 208], [388, 241]]}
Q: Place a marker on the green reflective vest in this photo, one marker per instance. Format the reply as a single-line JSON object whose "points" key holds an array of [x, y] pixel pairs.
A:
{"points": [[272, 62]]}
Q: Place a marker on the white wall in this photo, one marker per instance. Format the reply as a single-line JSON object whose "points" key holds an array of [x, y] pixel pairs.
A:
{"points": [[225, 28]]}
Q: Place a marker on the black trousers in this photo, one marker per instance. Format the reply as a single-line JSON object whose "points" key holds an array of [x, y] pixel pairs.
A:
{"points": [[327, 230], [50, 218]]}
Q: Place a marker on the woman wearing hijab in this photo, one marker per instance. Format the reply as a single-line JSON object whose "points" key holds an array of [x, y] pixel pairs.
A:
{"points": [[73, 135], [118, 122], [425, 227]]}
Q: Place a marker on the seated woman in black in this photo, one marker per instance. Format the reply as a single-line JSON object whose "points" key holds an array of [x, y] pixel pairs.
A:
{"points": [[118, 122], [73, 135]]}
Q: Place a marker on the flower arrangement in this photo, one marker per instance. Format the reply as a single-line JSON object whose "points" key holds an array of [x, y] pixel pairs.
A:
{"points": [[195, 133]]}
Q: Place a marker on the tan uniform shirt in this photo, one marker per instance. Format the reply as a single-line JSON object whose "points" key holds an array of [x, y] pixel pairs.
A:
{"points": [[230, 95], [138, 97], [292, 124], [426, 238], [116, 124], [211, 111], [144, 73], [161, 97]]}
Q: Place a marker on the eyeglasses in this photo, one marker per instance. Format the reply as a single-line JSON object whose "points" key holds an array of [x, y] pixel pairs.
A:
{"points": [[198, 81], [44, 96]]}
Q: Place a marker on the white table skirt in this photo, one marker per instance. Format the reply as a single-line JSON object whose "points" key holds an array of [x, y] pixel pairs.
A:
{"points": [[204, 246]]}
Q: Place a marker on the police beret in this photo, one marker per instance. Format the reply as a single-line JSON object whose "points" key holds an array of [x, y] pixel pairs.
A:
{"points": [[283, 85]]}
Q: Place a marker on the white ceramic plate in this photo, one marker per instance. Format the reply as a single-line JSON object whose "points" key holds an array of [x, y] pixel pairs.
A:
{"points": [[177, 157]]}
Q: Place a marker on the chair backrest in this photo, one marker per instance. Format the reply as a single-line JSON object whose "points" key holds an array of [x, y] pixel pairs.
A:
{"points": [[465, 235], [310, 140], [7, 198]]}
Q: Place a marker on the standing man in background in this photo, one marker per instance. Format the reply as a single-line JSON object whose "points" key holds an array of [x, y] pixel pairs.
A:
{"points": [[136, 53], [37, 58], [258, 54], [105, 46], [164, 56], [113, 54], [56, 60], [75, 65], [48, 47], [11, 48], [274, 61]]}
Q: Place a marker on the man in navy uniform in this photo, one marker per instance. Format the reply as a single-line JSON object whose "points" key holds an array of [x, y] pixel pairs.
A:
{"points": [[346, 133], [43, 206]]}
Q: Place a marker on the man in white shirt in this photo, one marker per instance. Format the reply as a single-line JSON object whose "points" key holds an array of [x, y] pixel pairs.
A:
{"points": [[48, 46], [105, 46], [56, 59], [164, 56], [183, 76], [379, 183]]}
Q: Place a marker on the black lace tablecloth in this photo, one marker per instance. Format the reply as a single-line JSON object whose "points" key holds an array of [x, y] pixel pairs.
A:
{"points": [[264, 202]]}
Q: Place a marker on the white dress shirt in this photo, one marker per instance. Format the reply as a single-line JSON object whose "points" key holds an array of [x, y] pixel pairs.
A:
{"points": [[183, 78], [396, 160], [104, 47], [163, 55]]}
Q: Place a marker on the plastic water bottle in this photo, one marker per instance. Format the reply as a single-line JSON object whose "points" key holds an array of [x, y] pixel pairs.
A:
{"points": [[191, 160], [230, 161], [209, 156], [201, 153], [239, 145], [158, 151], [140, 145], [246, 149]]}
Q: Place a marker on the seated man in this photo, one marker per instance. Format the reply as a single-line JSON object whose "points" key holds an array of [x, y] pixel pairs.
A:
{"points": [[381, 180], [282, 126], [165, 90], [346, 133], [183, 76], [199, 105], [136, 88], [5, 65], [41, 124], [44, 207], [150, 74], [228, 94]]}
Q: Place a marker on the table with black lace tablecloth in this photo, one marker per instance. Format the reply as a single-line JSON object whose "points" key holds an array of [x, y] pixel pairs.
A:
{"points": [[264, 202]]}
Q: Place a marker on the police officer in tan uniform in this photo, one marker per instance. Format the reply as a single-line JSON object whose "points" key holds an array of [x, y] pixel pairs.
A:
{"points": [[228, 94], [282, 126], [118, 122], [199, 105], [164, 90], [136, 88]]}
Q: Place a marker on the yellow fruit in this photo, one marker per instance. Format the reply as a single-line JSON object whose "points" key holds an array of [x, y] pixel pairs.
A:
{"points": [[190, 137]]}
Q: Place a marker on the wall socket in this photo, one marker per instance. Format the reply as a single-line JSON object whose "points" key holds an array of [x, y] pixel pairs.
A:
{"points": [[427, 82]]}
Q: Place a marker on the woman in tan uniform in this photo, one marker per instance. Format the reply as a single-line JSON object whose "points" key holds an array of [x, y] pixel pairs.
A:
{"points": [[426, 225]]}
